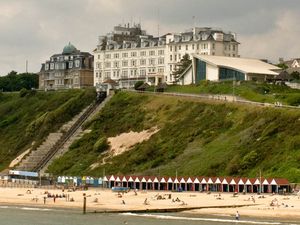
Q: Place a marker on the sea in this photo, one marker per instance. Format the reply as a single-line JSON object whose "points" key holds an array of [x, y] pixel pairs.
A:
{"points": [[18, 215]]}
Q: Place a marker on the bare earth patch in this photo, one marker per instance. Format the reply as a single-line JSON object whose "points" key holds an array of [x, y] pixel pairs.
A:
{"points": [[124, 142]]}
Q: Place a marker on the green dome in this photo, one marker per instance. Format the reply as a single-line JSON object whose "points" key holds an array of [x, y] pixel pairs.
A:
{"points": [[69, 49]]}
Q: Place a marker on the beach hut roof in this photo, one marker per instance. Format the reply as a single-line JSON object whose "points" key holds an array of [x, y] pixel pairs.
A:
{"points": [[137, 179], [257, 182], [196, 181], [144, 180], [124, 179], [155, 180], [112, 178], [189, 180], [105, 178], [281, 181], [233, 181], [176, 181], [130, 179], [182, 180], [217, 181], [170, 180], [203, 181], [118, 179], [210, 181], [265, 182], [224, 181], [163, 180], [248, 182]]}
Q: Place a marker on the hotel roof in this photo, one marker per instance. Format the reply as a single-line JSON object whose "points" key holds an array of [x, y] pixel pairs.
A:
{"points": [[244, 65]]}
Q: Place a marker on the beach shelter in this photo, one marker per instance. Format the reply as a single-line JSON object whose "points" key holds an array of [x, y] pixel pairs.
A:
{"points": [[196, 184], [150, 183], [137, 182], [225, 185], [130, 182], [233, 186], [217, 183], [266, 188], [203, 184], [144, 183], [210, 184], [182, 184], [248, 186], [124, 181], [112, 181], [100, 181], [256, 186], [171, 185], [163, 184], [283, 185], [105, 182], [156, 183], [190, 185], [63, 179], [241, 185]]}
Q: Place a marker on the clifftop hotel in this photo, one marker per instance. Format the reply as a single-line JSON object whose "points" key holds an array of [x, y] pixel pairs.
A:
{"points": [[128, 54]]}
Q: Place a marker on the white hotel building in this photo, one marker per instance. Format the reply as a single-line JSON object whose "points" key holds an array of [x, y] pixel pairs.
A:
{"points": [[128, 54]]}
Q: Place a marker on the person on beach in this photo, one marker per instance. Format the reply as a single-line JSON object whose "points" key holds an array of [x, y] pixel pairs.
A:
{"points": [[237, 215]]}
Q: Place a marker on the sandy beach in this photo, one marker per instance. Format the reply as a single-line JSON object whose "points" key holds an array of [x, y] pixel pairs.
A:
{"points": [[225, 204]]}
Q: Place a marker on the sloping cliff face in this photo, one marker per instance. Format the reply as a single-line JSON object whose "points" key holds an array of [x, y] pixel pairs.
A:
{"points": [[194, 137], [27, 118]]}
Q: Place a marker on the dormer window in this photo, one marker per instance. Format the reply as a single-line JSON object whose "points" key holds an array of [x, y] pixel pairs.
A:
{"points": [[77, 63], [70, 64]]}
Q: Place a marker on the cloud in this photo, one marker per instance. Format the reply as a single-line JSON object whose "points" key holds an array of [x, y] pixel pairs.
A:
{"points": [[34, 30]]}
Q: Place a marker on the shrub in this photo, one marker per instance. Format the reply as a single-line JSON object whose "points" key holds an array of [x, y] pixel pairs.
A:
{"points": [[138, 84]]}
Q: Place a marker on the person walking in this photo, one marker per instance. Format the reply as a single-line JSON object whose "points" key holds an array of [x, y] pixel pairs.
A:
{"points": [[237, 215]]}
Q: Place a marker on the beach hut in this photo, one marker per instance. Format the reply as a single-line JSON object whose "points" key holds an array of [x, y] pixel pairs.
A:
{"points": [[241, 185], [282, 184], [156, 183], [225, 185], [150, 183], [176, 184], [130, 182], [266, 188], [105, 182], [210, 185], [233, 185], [196, 184], [163, 184], [256, 186], [59, 179], [112, 182], [190, 185], [248, 186], [182, 184], [144, 183], [217, 183], [170, 182], [124, 181], [203, 184], [137, 183]]}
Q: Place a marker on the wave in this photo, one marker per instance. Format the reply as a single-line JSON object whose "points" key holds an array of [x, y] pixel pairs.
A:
{"points": [[200, 219], [24, 208]]}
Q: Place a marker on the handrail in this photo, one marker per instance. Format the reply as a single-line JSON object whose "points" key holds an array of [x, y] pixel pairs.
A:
{"points": [[55, 148]]}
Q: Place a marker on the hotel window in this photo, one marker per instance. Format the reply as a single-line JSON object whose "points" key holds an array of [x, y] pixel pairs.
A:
{"points": [[107, 74], [151, 61], [100, 74], [143, 53], [133, 62], [133, 54], [161, 61], [97, 74], [51, 66], [193, 46], [77, 63], [186, 47], [197, 46], [233, 47], [175, 48], [47, 66], [170, 67], [125, 63], [98, 56], [175, 57], [142, 72], [213, 46], [179, 56], [56, 66], [107, 64], [170, 48], [116, 55], [170, 57], [143, 62], [228, 47], [107, 56], [151, 53], [125, 54], [179, 47], [161, 52], [161, 70]]}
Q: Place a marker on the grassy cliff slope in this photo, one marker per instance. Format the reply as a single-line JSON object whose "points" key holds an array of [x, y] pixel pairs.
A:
{"points": [[28, 117], [196, 137]]}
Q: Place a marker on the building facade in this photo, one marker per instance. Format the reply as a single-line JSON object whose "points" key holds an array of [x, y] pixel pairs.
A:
{"points": [[70, 69], [128, 54]]}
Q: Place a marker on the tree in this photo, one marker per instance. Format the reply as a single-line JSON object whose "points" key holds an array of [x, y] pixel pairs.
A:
{"points": [[295, 75], [282, 66], [15, 82], [181, 66]]}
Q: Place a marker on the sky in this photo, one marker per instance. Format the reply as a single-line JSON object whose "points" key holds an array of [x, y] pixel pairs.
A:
{"points": [[33, 30]]}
